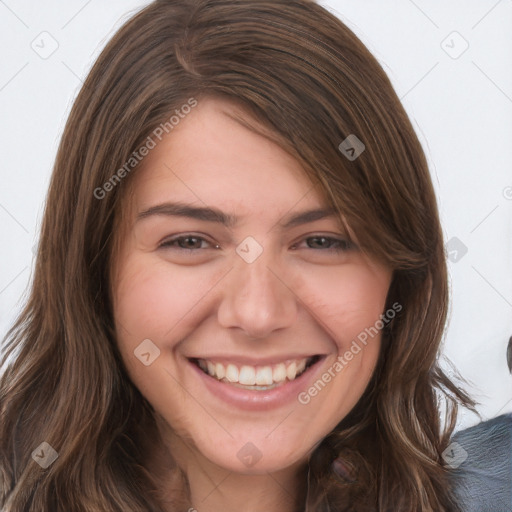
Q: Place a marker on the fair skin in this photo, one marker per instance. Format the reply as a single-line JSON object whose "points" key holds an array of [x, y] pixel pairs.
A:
{"points": [[308, 293]]}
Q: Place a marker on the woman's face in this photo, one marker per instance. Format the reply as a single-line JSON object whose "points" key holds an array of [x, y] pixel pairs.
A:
{"points": [[232, 265]]}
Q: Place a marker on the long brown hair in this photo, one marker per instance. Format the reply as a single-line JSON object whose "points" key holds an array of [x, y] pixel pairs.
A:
{"points": [[306, 77]]}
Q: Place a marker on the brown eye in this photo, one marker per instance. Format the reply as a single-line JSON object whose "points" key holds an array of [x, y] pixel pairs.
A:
{"points": [[328, 243], [185, 242]]}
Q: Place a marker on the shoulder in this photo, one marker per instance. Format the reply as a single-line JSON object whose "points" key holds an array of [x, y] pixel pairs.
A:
{"points": [[482, 466]]}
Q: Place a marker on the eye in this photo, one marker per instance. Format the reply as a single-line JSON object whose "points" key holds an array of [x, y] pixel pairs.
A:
{"points": [[327, 243], [186, 242]]}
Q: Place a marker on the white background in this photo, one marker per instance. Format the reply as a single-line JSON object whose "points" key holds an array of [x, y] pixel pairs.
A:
{"points": [[460, 104]]}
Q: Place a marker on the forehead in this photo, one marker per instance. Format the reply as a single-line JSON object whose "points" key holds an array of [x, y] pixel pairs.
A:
{"points": [[212, 158]]}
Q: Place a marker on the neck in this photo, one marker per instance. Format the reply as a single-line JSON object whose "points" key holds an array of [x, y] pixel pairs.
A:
{"points": [[218, 490]]}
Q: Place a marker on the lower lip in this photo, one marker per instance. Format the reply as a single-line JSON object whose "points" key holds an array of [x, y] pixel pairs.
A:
{"points": [[254, 400]]}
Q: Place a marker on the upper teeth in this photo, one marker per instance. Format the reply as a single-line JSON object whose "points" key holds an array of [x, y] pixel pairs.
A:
{"points": [[254, 375]]}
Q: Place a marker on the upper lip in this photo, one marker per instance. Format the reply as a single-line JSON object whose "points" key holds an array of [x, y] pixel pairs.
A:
{"points": [[261, 361]]}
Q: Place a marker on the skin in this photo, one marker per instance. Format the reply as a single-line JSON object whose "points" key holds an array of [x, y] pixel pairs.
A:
{"points": [[300, 296]]}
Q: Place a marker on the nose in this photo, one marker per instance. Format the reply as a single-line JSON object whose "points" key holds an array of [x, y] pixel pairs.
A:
{"points": [[257, 298]]}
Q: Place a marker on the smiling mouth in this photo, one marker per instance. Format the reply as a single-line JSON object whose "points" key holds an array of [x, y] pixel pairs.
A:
{"points": [[258, 378]]}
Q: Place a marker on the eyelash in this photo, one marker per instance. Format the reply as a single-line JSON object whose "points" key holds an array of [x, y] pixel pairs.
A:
{"points": [[346, 244]]}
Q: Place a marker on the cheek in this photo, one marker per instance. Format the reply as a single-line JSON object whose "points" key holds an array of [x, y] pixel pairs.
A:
{"points": [[348, 303], [152, 298], [345, 300]]}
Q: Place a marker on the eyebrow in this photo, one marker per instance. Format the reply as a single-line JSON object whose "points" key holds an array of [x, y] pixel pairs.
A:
{"points": [[211, 214]]}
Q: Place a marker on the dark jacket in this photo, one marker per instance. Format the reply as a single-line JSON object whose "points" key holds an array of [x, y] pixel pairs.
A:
{"points": [[481, 459]]}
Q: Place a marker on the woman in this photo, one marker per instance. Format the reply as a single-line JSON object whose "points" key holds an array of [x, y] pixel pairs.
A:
{"points": [[240, 289]]}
